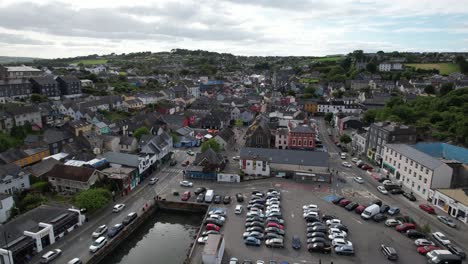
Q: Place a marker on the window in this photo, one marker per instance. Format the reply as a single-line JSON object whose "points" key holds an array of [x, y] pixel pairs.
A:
{"points": [[398, 165], [424, 190], [294, 142], [419, 188], [420, 177], [406, 160], [414, 174], [417, 165], [410, 171], [427, 171], [425, 180], [22, 185], [404, 169], [400, 156], [311, 143], [411, 163]]}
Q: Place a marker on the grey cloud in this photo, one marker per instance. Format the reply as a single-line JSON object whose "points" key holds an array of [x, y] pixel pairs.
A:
{"points": [[62, 20], [21, 40]]}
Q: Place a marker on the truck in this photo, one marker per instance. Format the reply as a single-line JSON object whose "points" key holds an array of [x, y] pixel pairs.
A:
{"points": [[391, 186], [370, 211], [209, 196]]}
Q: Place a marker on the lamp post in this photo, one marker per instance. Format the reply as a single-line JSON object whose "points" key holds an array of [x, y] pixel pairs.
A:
{"points": [[6, 236]]}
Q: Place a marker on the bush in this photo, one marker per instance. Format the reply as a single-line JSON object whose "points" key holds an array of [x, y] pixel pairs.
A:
{"points": [[93, 199], [31, 201], [41, 187]]}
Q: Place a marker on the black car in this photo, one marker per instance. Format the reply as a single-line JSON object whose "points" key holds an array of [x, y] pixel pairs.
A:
{"points": [[456, 250], [217, 199], [113, 231], [316, 240], [316, 234], [413, 234], [316, 224], [129, 218], [319, 247], [379, 217], [254, 218], [201, 198], [409, 196], [227, 199], [275, 220], [200, 190], [328, 217], [312, 219], [384, 208], [337, 200], [239, 197], [351, 206], [173, 163], [341, 227], [377, 202], [317, 229], [254, 223], [296, 242], [397, 191], [271, 235]]}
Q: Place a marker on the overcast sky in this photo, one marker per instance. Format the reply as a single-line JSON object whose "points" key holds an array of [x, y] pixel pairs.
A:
{"points": [[64, 28]]}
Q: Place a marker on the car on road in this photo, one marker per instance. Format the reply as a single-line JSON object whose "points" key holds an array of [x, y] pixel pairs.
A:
{"points": [[423, 250], [226, 199], [389, 252], [153, 181], [118, 207], [427, 208], [393, 211], [296, 242], [185, 196], [405, 227], [252, 241], [446, 220], [346, 164], [212, 227], [199, 190], [99, 231], [366, 167], [413, 234], [239, 197], [319, 247], [410, 196], [275, 243], [441, 238], [382, 189], [129, 218], [392, 222], [344, 250], [51, 256], [98, 244], [397, 191], [113, 231], [355, 160], [358, 180], [201, 198], [238, 210], [191, 153], [186, 163], [456, 250], [186, 184], [233, 261], [423, 242], [75, 261]]}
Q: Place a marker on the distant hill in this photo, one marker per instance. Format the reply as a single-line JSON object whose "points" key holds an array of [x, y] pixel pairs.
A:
{"points": [[10, 60]]}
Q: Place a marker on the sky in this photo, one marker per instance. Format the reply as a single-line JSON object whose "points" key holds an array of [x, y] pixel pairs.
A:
{"points": [[63, 28]]}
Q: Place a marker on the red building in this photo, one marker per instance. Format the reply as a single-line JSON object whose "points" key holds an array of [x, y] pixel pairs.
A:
{"points": [[301, 137]]}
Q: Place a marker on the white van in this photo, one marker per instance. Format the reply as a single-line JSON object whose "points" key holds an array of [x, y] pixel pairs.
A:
{"points": [[238, 209], [343, 155], [434, 253], [209, 196], [370, 211]]}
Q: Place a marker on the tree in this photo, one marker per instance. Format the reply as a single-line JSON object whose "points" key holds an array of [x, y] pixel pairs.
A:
{"points": [[38, 98], [140, 132], [371, 67], [211, 143], [328, 117], [369, 116], [93, 199], [238, 123], [345, 139], [309, 92], [446, 88], [429, 89], [291, 93]]}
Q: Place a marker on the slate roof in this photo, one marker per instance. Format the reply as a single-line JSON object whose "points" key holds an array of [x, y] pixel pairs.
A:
{"points": [[155, 144], [416, 155], [42, 167], [21, 109], [53, 135], [226, 134], [9, 170], [302, 129], [44, 80], [210, 156], [122, 158], [126, 140], [69, 78], [285, 156], [12, 155], [183, 131], [81, 174], [78, 123]]}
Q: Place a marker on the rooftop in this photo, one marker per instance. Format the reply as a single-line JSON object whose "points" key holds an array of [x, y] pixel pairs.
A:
{"points": [[416, 155], [459, 195], [21, 68], [81, 174], [283, 156]]}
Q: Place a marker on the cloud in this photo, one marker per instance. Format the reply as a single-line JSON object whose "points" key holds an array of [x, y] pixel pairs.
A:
{"points": [[14, 39]]}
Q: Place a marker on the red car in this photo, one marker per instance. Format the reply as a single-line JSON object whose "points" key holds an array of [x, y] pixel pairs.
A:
{"points": [[271, 224], [405, 227], [426, 249], [212, 227], [427, 208], [344, 202], [185, 196], [366, 167], [360, 209]]}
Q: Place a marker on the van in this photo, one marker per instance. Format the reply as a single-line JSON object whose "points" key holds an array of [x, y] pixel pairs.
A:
{"points": [[209, 196], [370, 211], [238, 209], [437, 252], [445, 259]]}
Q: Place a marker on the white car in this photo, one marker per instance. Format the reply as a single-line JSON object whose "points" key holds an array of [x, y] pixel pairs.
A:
{"points": [[341, 242], [234, 261], [98, 244], [335, 231], [271, 207], [202, 240], [355, 160], [312, 207], [118, 208], [392, 222], [220, 218], [333, 222], [382, 189], [274, 210], [186, 184], [153, 181], [423, 242], [307, 214], [101, 230], [337, 236], [441, 238], [191, 153], [358, 180], [236, 157], [346, 164]]}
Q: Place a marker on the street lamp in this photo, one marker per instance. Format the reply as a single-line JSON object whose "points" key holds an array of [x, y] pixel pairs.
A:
{"points": [[6, 236]]}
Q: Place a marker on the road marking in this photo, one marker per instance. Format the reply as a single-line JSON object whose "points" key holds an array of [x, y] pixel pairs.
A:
{"points": [[357, 221], [292, 215]]}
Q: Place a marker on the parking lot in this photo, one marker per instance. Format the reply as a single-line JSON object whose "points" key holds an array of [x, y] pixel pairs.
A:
{"points": [[366, 236]]}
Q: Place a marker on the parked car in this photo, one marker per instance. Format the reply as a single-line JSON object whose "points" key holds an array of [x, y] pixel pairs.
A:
{"points": [[379, 217], [113, 231], [423, 242], [186, 184], [384, 208], [333, 222], [389, 252], [360, 209], [377, 202], [344, 250], [153, 181], [185, 196], [337, 200], [202, 239], [272, 235], [75, 261], [201, 198], [392, 222], [272, 224], [413, 234], [227, 199], [423, 250], [100, 231], [410, 196], [358, 180], [340, 227], [275, 243], [256, 234], [316, 234], [393, 211], [446, 220], [405, 227], [98, 244], [252, 241], [319, 247], [210, 232], [456, 251], [328, 217], [199, 190], [296, 242], [212, 227], [427, 208], [397, 191], [239, 197], [274, 230], [255, 228], [316, 240], [173, 163], [346, 164], [344, 202], [129, 218], [118, 207], [382, 189], [214, 221], [51, 256], [217, 199], [441, 238], [254, 223]]}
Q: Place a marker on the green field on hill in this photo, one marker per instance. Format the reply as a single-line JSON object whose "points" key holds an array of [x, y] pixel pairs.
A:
{"points": [[444, 68], [91, 61]]}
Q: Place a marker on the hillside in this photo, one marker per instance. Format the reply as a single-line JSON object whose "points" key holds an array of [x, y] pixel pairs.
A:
{"points": [[13, 60]]}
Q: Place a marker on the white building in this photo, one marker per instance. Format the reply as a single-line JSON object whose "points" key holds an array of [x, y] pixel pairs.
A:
{"points": [[13, 179], [390, 66], [416, 170], [281, 138], [6, 203], [359, 143], [193, 91], [452, 201], [338, 106]]}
